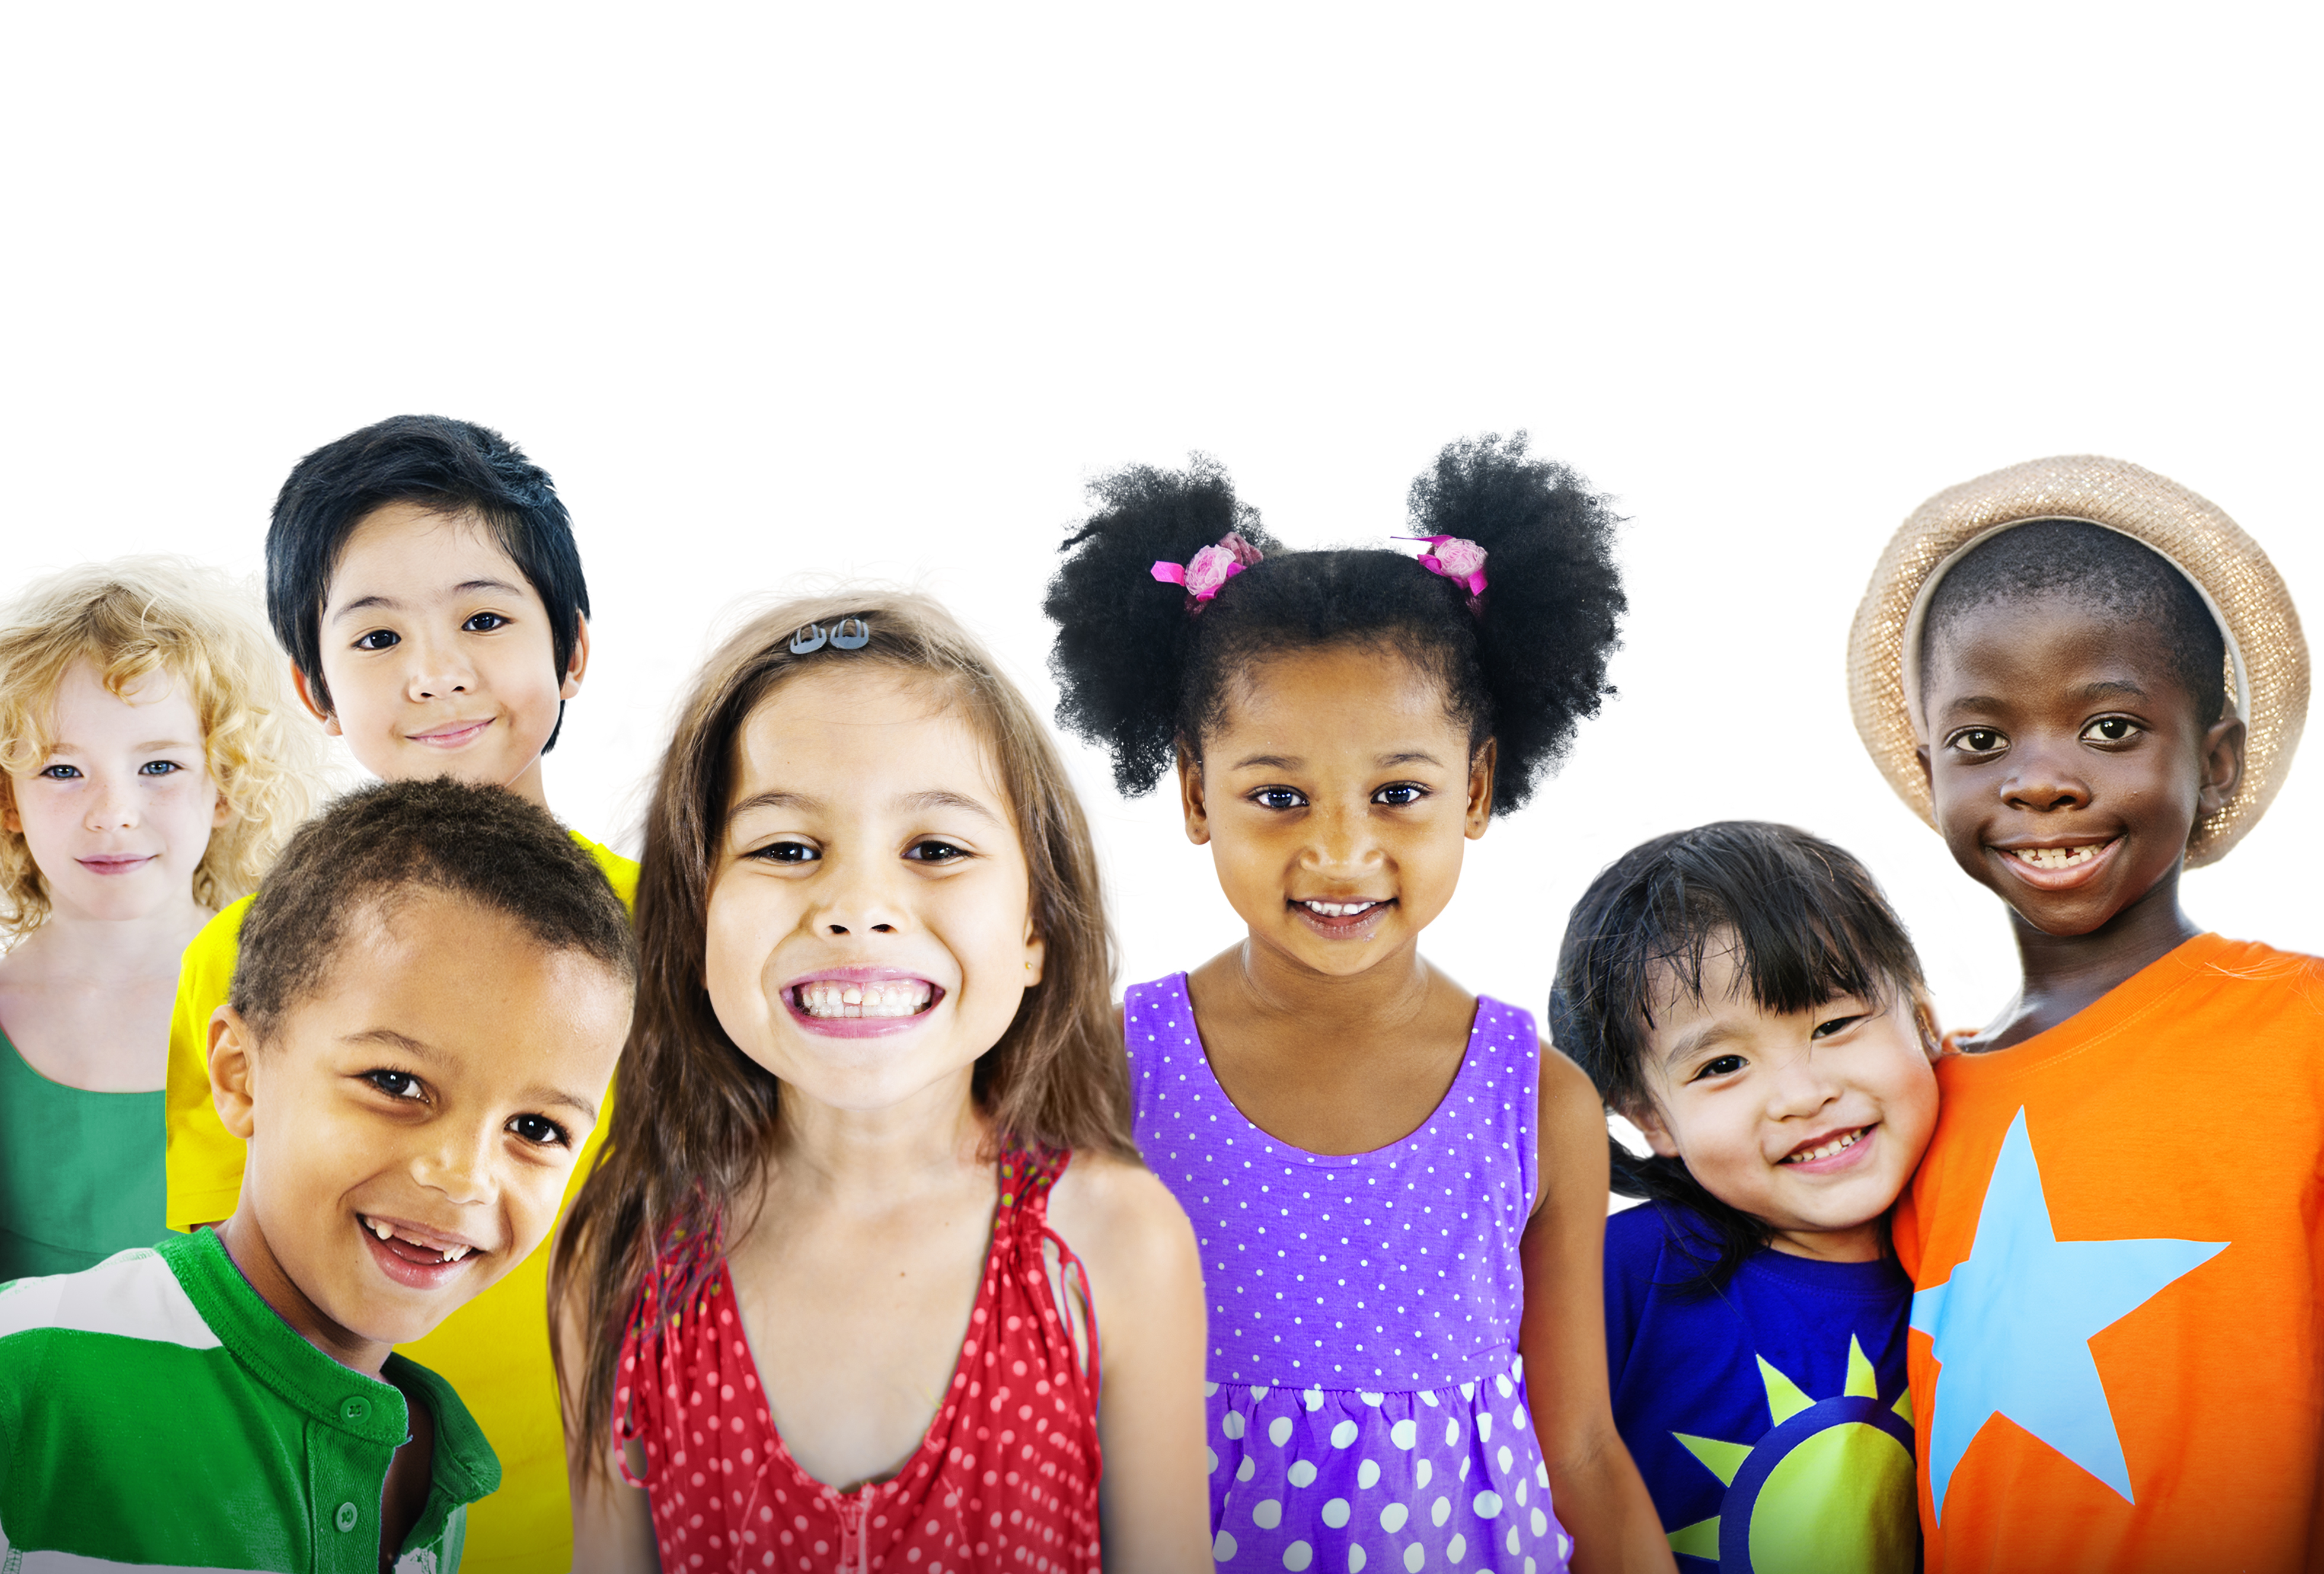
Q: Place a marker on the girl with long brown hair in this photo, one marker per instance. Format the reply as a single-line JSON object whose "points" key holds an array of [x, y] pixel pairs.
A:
{"points": [[833, 1298]]}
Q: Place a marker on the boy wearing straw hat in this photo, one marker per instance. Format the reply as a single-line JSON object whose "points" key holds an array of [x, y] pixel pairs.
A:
{"points": [[2086, 679]]}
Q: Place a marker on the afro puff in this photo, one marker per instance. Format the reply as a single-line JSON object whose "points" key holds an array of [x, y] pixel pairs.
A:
{"points": [[1143, 673]]}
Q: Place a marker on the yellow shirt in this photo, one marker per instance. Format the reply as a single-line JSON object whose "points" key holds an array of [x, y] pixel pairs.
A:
{"points": [[494, 1351]]}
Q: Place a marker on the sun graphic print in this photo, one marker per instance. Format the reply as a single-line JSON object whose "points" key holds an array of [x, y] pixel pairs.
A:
{"points": [[1828, 1488]]}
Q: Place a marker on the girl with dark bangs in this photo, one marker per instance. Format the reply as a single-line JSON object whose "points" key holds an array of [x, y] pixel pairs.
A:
{"points": [[1743, 993], [833, 1298]]}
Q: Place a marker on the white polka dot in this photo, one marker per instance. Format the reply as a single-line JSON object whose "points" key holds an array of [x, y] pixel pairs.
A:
{"points": [[1267, 1514], [1564, 1545], [1302, 1473], [1231, 1423], [1507, 1459], [1368, 1474], [1422, 1476], [1343, 1435], [1540, 1523], [1451, 1433], [1393, 1516], [1513, 1541], [1356, 1561], [1298, 1555], [1457, 1548], [1488, 1505], [1336, 1512], [1441, 1511], [1541, 1474], [1222, 1548], [1403, 1434], [1484, 1426], [1415, 1556], [1315, 1398], [1214, 1460], [1246, 1470], [1278, 1430]]}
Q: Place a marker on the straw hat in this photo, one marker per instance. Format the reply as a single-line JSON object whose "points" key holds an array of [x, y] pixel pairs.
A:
{"points": [[2267, 657]]}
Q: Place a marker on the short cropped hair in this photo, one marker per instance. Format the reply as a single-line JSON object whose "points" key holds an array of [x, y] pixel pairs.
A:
{"points": [[482, 844], [1809, 924], [2099, 569], [447, 466], [132, 619]]}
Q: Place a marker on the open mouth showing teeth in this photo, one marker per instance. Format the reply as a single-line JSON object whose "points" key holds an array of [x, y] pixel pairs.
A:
{"points": [[888, 998], [2055, 857], [1824, 1150], [414, 1251], [1340, 909]]}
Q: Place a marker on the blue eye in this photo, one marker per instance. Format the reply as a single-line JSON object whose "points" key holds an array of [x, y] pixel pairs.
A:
{"points": [[160, 767], [484, 623], [539, 1131], [61, 772], [379, 639]]}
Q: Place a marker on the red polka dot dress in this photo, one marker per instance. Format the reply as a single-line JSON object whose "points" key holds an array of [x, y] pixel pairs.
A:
{"points": [[1006, 1478]]}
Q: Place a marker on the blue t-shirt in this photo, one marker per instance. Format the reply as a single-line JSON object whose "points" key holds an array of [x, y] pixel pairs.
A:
{"points": [[1769, 1417]]}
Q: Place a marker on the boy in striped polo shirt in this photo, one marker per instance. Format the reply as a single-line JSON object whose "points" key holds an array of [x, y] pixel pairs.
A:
{"points": [[432, 992]]}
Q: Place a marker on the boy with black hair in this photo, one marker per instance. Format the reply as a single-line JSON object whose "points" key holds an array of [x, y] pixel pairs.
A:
{"points": [[432, 990], [2086, 678], [423, 576]]}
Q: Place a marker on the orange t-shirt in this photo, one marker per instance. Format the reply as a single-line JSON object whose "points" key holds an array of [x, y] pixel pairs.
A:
{"points": [[2118, 1357]]}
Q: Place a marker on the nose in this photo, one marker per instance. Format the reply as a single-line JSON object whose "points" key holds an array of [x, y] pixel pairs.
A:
{"points": [[112, 805], [1340, 845], [436, 668], [1802, 1086], [858, 895], [2045, 778], [455, 1161]]}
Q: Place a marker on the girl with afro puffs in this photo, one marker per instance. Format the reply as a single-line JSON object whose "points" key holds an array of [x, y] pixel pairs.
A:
{"points": [[1399, 1189]]}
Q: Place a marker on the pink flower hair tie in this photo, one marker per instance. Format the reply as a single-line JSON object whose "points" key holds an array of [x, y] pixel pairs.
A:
{"points": [[1458, 559], [1207, 571]]}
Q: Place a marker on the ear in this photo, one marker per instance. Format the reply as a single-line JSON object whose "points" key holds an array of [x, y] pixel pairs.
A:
{"points": [[1480, 789], [1648, 1119], [232, 1082], [1037, 954], [2223, 765], [1191, 798], [313, 708], [1924, 1022], [579, 662], [1928, 778]]}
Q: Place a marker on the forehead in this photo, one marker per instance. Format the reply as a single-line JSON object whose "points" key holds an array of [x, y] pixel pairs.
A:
{"points": [[402, 547], [156, 706], [2034, 644], [867, 732], [1346, 695]]}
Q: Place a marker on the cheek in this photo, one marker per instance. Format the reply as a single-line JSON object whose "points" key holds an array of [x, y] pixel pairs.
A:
{"points": [[740, 935]]}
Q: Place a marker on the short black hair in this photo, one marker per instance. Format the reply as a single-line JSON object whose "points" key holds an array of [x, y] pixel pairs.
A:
{"points": [[1521, 665], [483, 844], [1810, 924], [446, 466], [2099, 568]]}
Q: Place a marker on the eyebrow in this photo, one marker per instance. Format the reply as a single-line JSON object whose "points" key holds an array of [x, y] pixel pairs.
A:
{"points": [[2107, 688], [1695, 1042], [1293, 761], [933, 798], [538, 1093], [388, 602]]}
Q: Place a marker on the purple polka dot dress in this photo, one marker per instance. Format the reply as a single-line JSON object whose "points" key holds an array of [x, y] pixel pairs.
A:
{"points": [[1367, 1402]]}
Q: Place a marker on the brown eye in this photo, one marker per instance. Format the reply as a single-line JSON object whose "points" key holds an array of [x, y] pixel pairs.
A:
{"points": [[1976, 741], [2110, 730]]}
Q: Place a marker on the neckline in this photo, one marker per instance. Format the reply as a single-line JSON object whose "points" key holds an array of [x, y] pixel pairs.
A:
{"points": [[2121, 1005], [1177, 983], [46, 1080]]}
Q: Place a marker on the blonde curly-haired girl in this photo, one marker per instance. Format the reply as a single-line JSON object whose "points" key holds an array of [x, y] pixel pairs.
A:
{"points": [[151, 764]]}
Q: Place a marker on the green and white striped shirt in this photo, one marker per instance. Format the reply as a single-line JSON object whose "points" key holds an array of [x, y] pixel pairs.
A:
{"points": [[154, 1412]]}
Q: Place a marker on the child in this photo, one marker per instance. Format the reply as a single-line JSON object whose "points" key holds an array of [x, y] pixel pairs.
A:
{"points": [[423, 573], [432, 987], [2086, 678], [1744, 995], [150, 775], [875, 1005], [1399, 1193]]}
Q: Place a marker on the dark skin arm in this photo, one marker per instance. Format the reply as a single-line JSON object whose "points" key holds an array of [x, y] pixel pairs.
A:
{"points": [[404, 1496], [1596, 1489]]}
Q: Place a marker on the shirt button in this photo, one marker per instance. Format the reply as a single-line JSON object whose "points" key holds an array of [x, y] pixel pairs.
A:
{"points": [[348, 1516], [355, 1408]]}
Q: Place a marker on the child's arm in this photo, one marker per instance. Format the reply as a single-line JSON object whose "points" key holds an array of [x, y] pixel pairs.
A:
{"points": [[1146, 1283], [1593, 1485], [613, 1527]]}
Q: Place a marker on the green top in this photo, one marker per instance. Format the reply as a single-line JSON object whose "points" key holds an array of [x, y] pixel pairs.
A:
{"points": [[81, 1173], [155, 1413]]}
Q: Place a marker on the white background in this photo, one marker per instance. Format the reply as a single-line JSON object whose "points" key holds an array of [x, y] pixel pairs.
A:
{"points": [[781, 293]]}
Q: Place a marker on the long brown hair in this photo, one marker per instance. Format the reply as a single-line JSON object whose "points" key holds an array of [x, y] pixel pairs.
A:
{"points": [[692, 1113]]}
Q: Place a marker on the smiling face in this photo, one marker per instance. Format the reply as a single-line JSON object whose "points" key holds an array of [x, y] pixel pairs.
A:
{"points": [[438, 657], [1811, 1121], [2067, 762], [412, 1123], [1337, 796], [870, 924], [119, 814]]}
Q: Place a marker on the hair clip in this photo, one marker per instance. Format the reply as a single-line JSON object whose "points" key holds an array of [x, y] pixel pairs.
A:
{"points": [[810, 637], [841, 640], [1207, 571], [1458, 559]]}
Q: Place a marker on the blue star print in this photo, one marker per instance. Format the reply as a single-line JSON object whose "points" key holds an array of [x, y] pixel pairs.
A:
{"points": [[2011, 1326]]}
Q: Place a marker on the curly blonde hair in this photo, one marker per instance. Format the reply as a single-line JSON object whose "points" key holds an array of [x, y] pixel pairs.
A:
{"points": [[131, 619]]}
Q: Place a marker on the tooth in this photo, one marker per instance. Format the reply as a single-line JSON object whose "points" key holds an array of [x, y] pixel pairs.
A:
{"points": [[379, 1230]]}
